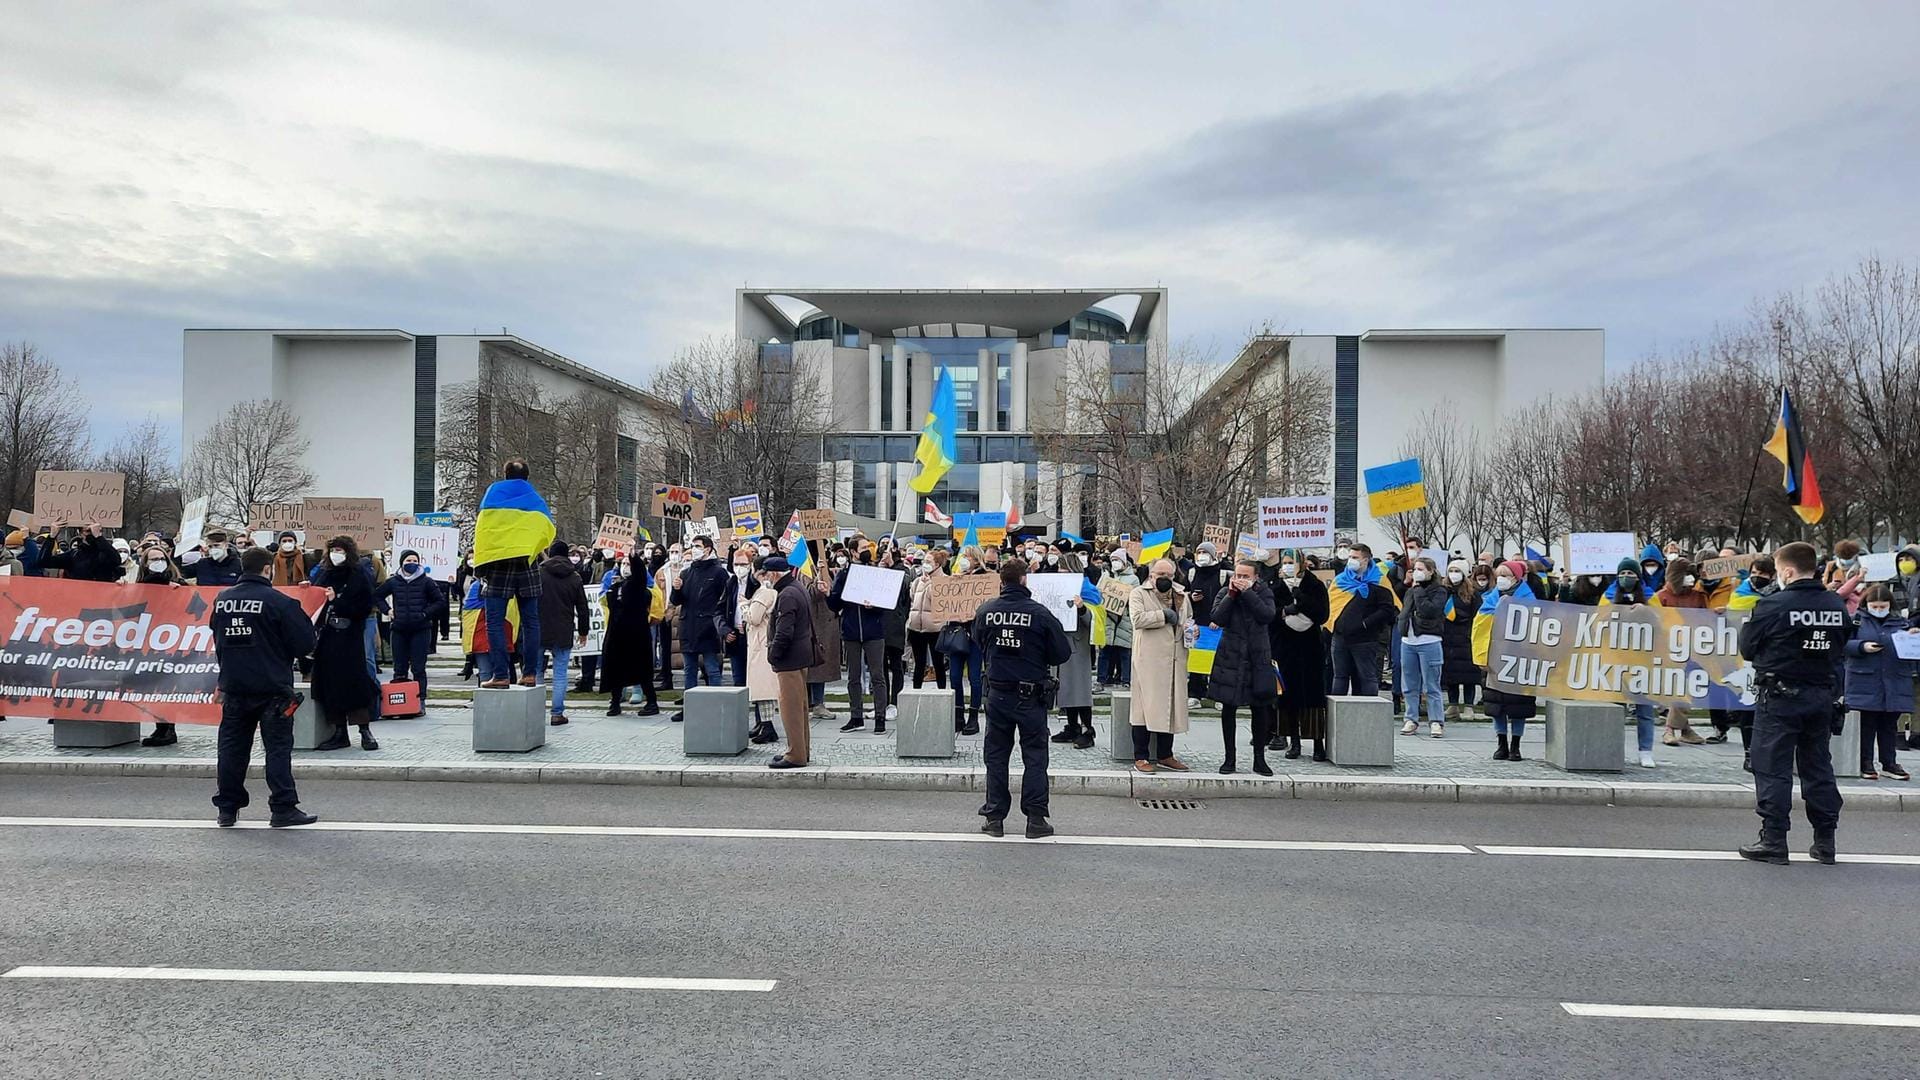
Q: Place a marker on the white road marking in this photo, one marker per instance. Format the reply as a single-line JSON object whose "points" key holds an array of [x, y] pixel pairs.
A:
{"points": [[390, 978], [1752, 1016], [1682, 853]]}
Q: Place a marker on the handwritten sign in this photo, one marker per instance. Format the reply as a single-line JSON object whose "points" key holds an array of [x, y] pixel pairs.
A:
{"points": [[396, 519], [1114, 594], [1296, 521], [1600, 552], [1724, 567], [952, 599], [364, 520], [1219, 536], [75, 498], [193, 522], [1248, 547], [1059, 594], [596, 623], [816, 524], [438, 545], [19, 519], [676, 503], [745, 512], [708, 526], [276, 517], [617, 532]]}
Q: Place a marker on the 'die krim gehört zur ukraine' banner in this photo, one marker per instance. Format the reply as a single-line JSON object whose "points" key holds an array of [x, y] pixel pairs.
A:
{"points": [[1689, 657]]}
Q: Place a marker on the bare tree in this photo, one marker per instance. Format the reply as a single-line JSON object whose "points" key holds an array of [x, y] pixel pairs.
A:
{"points": [[1450, 458], [581, 485], [254, 454], [484, 421], [43, 421], [144, 456], [1532, 460]]}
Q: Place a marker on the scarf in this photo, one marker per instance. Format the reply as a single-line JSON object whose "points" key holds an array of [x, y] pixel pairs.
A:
{"points": [[1348, 581], [1521, 591]]}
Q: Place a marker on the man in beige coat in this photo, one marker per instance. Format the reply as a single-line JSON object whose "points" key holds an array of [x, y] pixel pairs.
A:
{"points": [[1161, 614]]}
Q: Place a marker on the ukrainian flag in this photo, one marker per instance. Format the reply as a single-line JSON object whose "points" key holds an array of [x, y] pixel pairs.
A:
{"points": [[970, 539], [938, 450], [1155, 545], [1205, 647], [801, 557], [1395, 489], [514, 523]]}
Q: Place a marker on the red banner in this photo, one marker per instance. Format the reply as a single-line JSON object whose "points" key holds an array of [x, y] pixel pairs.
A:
{"points": [[81, 650]]}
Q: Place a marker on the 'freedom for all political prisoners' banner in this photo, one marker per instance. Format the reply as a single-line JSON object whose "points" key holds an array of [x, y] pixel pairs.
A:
{"points": [[84, 650], [1689, 657]]}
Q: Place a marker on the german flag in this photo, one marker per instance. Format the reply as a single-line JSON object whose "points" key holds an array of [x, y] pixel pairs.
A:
{"points": [[1787, 444]]}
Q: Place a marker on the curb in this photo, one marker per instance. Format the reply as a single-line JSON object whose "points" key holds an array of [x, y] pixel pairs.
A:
{"points": [[1405, 789]]}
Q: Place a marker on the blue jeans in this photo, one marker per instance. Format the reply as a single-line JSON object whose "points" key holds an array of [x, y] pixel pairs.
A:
{"points": [[699, 662], [530, 654], [373, 647], [971, 664], [1420, 665], [560, 658], [1643, 720], [1116, 664]]}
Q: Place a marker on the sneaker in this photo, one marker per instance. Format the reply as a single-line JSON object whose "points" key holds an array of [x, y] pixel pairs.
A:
{"points": [[1896, 771], [1410, 727], [557, 720], [1646, 759], [1173, 764], [1670, 738], [893, 712], [1717, 737], [1437, 730], [1869, 774], [1193, 703], [854, 724], [819, 712]]}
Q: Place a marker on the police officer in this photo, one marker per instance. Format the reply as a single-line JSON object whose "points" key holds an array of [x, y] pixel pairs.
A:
{"points": [[258, 631], [1019, 640], [1794, 640]]}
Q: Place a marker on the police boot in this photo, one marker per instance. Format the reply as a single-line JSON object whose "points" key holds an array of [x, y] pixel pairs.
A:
{"points": [[366, 738], [163, 735], [1822, 849], [1771, 849]]}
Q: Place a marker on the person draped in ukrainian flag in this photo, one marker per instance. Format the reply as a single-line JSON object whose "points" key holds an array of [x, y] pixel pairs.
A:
{"points": [[514, 527], [1510, 712], [1360, 608]]}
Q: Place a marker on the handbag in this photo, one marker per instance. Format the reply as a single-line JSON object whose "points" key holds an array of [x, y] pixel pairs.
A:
{"points": [[332, 621], [954, 640]]}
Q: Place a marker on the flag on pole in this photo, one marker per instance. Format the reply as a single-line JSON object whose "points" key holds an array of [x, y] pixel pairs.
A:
{"points": [[938, 450], [801, 557], [1787, 444], [1155, 545], [934, 515], [1012, 511], [1205, 645]]}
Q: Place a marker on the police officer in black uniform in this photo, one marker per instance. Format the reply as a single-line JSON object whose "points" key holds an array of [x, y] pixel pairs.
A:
{"points": [[1794, 638], [1020, 641], [258, 632]]}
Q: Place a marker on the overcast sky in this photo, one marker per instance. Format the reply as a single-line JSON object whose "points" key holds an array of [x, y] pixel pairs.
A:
{"points": [[599, 180]]}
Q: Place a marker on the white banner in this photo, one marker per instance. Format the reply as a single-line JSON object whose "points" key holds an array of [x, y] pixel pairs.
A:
{"points": [[1600, 553], [596, 624], [874, 585], [1296, 521], [1058, 593]]}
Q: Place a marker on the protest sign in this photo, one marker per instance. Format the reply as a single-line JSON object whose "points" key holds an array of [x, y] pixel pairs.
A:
{"points": [[1724, 567], [19, 519], [816, 524], [1878, 566], [193, 522], [1397, 488], [1114, 594], [616, 532], [744, 510], [708, 526], [1060, 594], [1302, 521], [276, 517], [441, 518], [952, 599], [392, 520], [438, 545], [1600, 552], [990, 526], [84, 650], [596, 623], [1906, 645], [1248, 546], [76, 498], [364, 520], [676, 503], [1642, 655], [1219, 536], [872, 585]]}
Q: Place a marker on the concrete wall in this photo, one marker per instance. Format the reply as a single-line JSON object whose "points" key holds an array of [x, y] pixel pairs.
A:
{"points": [[354, 400]]}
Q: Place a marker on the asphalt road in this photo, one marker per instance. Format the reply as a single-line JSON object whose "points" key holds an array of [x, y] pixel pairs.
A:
{"points": [[925, 958]]}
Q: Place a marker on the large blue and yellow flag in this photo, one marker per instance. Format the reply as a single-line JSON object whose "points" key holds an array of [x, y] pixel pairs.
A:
{"points": [[938, 450], [1155, 545], [514, 523], [1395, 489], [801, 555], [1205, 646]]}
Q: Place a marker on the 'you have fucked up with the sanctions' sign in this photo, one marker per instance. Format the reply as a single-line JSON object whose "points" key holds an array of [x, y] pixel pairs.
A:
{"points": [[1689, 657]]}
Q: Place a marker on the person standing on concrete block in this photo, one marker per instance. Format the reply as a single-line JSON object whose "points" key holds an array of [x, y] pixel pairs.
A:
{"points": [[258, 631], [1020, 642], [791, 650], [510, 535]]}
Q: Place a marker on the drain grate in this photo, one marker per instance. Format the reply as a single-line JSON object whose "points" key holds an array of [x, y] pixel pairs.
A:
{"points": [[1168, 804]]}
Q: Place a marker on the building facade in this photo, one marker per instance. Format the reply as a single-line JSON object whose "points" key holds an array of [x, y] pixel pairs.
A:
{"points": [[878, 354]]}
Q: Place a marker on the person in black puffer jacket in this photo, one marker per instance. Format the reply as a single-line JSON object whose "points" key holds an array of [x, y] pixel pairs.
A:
{"points": [[1243, 672], [1419, 635], [565, 617], [90, 556], [415, 599], [1458, 672]]}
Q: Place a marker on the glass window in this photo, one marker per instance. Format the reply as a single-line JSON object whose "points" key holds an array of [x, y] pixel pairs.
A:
{"points": [[969, 449], [901, 447], [961, 357], [1130, 387], [1128, 359], [866, 489], [958, 492], [849, 336], [886, 393], [1000, 448]]}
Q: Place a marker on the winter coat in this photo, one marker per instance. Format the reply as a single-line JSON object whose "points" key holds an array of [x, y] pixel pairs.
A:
{"points": [[414, 602], [826, 631], [1673, 595], [856, 623], [1879, 681], [700, 594], [757, 611], [565, 616], [1159, 659], [87, 558], [289, 569], [1361, 618], [896, 617], [626, 648], [1205, 584], [1120, 631], [206, 571], [1424, 611], [1301, 654], [1076, 675], [919, 619], [1243, 662], [790, 641], [1456, 640], [341, 682]]}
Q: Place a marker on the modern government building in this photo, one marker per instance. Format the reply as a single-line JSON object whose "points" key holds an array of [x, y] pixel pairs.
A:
{"points": [[369, 398]]}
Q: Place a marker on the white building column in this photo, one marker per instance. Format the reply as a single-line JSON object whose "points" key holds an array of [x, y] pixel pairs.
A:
{"points": [[907, 500], [1047, 497], [873, 388], [1017, 409], [989, 389], [1071, 487], [992, 485], [883, 491], [922, 389], [902, 419], [843, 486], [823, 492]]}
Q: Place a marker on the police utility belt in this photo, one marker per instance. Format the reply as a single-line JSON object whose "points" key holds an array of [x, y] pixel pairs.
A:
{"points": [[1775, 686], [1043, 689]]}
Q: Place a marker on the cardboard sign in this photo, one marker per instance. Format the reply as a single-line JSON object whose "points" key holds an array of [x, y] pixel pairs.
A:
{"points": [[1395, 489], [393, 520], [1248, 546], [1296, 521], [1114, 594], [364, 520], [193, 522], [708, 526], [1600, 553], [874, 585], [438, 545], [19, 519], [1219, 536], [816, 524], [617, 532], [1725, 566], [744, 510], [952, 599], [276, 517], [989, 527], [676, 503], [1059, 594], [75, 498]]}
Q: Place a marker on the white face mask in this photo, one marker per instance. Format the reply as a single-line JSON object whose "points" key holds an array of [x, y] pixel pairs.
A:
{"points": [[1689, 582], [1289, 570], [741, 570], [158, 566], [1504, 584], [765, 550], [1053, 559], [1420, 575], [1203, 559], [1342, 553], [927, 568], [966, 565], [1356, 564], [1878, 611], [1595, 580], [839, 560], [337, 558], [626, 569], [217, 552], [1456, 576], [286, 545]]}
